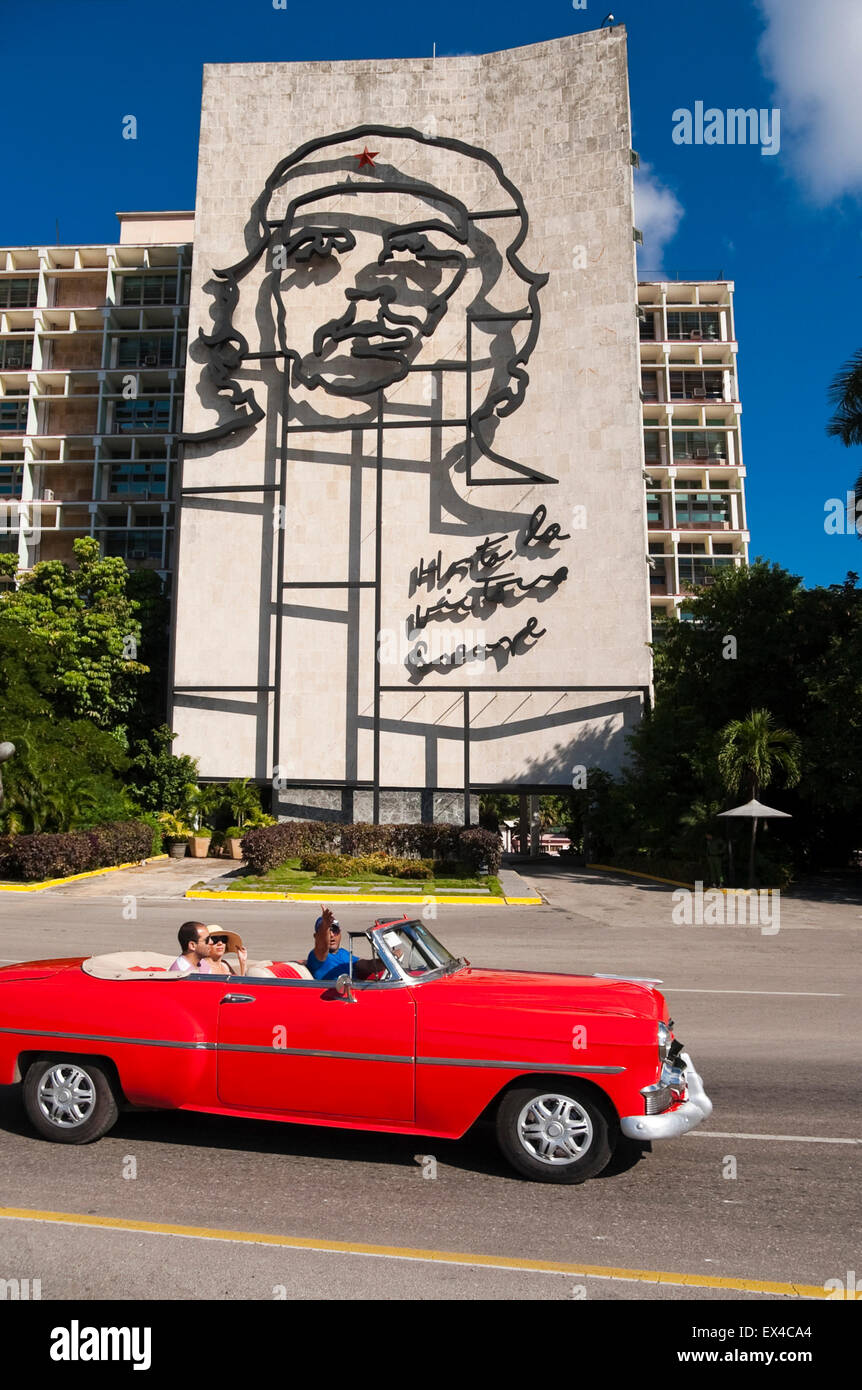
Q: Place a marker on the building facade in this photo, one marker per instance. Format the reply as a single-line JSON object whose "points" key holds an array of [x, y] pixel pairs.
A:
{"points": [[412, 543], [92, 354], [693, 467]]}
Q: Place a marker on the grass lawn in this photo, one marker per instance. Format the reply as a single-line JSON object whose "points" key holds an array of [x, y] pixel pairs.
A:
{"points": [[289, 878]]}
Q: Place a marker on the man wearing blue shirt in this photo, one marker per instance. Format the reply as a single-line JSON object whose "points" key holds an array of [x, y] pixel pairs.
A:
{"points": [[328, 958]]}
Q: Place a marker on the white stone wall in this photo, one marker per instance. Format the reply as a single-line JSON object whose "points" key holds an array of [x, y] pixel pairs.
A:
{"points": [[556, 117]]}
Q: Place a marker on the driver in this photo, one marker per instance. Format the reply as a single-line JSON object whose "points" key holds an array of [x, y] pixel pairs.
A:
{"points": [[328, 958]]}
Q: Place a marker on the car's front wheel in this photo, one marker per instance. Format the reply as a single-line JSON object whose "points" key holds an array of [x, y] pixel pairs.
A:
{"points": [[70, 1102], [555, 1133]]}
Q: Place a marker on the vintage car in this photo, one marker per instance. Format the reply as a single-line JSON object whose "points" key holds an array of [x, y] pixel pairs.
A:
{"points": [[427, 1044]]}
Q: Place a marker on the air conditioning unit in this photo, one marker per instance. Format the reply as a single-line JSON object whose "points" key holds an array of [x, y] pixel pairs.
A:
{"points": [[699, 391], [47, 495], [137, 555], [701, 453], [151, 359], [695, 336]]}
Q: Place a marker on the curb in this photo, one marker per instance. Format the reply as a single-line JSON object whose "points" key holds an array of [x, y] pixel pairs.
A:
{"points": [[390, 901], [636, 873], [72, 878]]}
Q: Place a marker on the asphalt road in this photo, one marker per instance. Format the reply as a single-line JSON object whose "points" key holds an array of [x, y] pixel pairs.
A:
{"points": [[766, 1191]]}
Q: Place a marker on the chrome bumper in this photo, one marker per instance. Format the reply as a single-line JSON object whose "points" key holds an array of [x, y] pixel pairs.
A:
{"points": [[670, 1125]]}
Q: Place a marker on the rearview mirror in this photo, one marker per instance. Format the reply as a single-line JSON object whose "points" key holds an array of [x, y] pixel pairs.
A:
{"points": [[344, 987]]}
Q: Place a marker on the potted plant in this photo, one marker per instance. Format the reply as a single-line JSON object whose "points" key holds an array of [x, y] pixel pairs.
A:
{"points": [[199, 842], [175, 834], [233, 841]]}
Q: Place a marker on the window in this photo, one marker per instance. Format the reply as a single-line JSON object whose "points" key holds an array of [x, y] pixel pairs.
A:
{"points": [[702, 509], [653, 509], [139, 544], [10, 479], [130, 416], [18, 294], [693, 385], [652, 446], [684, 324], [647, 327], [649, 385], [13, 417], [151, 351], [697, 444], [139, 476], [149, 289], [16, 353]]}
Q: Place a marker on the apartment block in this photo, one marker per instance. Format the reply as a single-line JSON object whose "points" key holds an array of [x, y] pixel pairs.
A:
{"points": [[92, 355], [694, 470]]}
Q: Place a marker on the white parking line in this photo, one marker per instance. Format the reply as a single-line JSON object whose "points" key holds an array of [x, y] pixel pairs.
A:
{"points": [[780, 1138]]}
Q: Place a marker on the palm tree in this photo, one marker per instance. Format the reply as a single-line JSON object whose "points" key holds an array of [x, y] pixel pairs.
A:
{"points": [[243, 800], [752, 752], [845, 393]]}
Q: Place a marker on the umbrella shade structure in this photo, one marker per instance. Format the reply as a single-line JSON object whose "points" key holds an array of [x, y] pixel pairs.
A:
{"points": [[755, 810]]}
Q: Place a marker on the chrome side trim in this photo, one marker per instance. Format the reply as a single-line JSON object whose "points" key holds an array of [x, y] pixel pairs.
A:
{"points": [[515, 1066], [106, 1037], [311, 1052]]}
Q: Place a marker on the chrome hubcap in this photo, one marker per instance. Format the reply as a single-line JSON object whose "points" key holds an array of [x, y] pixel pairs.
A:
{"points": [[66, 1095], [555, 1129]]}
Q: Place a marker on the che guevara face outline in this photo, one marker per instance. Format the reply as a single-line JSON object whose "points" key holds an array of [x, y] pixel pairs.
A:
{"points": [[381, 289]]}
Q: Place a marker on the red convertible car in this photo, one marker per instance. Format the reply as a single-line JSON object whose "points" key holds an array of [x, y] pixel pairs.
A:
{"points": [[564, 1064]]}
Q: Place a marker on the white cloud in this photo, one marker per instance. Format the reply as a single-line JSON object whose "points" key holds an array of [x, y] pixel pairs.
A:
{"points": [[657, 213], [813, 55]]}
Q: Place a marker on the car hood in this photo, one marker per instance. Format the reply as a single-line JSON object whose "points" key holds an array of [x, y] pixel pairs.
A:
{"points": [[528, 989]]}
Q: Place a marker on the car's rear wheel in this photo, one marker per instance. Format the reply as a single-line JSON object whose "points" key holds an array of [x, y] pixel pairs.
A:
{"points": [[70, 1102], [555, 1133]]}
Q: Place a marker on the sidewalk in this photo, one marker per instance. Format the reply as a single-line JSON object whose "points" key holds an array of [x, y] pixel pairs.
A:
{"points": [[516, 893]]}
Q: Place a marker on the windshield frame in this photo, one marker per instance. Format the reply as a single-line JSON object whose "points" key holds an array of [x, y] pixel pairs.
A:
{"points": [[415, 929]]}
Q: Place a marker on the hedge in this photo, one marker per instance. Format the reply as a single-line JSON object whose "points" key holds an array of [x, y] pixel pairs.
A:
{"points": [[35, 857], [265, 847]]}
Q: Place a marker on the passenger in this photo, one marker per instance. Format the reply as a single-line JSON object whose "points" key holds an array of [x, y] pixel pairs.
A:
{"points": [[222, 942], [195, 949], [328, 958]]}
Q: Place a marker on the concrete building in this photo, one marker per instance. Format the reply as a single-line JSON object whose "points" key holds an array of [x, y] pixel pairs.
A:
{"points": [[694, 470], [92, 349], [412, 550]]}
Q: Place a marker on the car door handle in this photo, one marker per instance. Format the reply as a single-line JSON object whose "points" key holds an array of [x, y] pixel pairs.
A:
{"points": [[238, 999]]}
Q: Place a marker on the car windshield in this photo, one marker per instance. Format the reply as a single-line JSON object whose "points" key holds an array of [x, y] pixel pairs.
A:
{"points": [[417, 951]]}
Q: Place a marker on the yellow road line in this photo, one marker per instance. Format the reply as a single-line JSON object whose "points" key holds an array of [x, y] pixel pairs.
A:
{"points": [[398, 1252]]}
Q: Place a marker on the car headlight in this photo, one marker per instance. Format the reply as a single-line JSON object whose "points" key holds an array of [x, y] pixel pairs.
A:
{"points": [[665, 1038]]}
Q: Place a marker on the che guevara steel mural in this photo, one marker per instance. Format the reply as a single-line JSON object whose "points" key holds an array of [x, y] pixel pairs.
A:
{"points": [[330, 223]]}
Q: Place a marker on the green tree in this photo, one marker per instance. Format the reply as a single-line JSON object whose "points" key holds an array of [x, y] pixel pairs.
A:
{"points": [[84, 628], [158, 779], [753, 752]]}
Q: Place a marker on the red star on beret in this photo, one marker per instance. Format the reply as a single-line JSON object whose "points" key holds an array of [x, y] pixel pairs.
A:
{"points": [[367, 157]]}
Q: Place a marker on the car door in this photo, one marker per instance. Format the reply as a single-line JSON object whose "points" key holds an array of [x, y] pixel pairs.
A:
{"points": [[298, 1046]]}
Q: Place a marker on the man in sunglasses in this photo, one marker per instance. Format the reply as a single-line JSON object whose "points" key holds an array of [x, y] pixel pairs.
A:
{"points": [[195, 948], [328, 959]]}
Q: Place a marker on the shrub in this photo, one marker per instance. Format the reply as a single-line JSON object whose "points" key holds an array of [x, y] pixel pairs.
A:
{"points": [[35, 857], [477, 845]]}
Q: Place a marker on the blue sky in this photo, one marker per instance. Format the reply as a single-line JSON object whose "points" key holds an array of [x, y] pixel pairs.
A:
{"points": [[786, 227]]}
